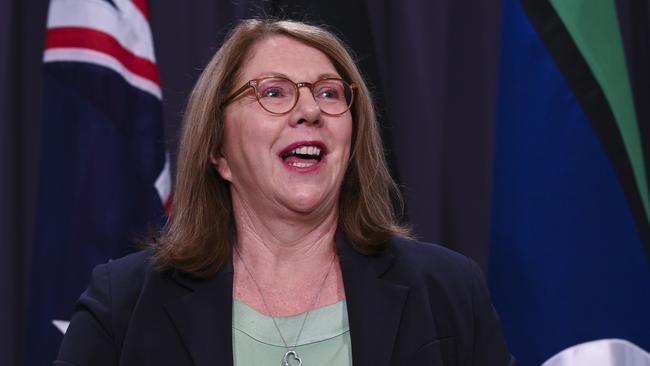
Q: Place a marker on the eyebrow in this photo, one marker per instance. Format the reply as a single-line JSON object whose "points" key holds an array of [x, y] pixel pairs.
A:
{"points": [[325, 76], [271, 74], [320, 77]]}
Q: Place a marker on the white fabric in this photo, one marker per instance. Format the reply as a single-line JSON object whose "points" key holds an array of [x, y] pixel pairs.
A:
{"points": [[128, 26], [102, 59], [164, 181], [61, 325], [604, 352]]}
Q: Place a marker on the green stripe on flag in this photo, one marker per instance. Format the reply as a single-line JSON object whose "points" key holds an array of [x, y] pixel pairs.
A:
{"points": [[593, 25]]}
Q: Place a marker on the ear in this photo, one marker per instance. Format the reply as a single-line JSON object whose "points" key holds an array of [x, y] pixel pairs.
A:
{"points": [[220, 163]]}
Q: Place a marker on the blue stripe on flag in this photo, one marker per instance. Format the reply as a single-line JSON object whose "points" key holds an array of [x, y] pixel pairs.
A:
{"points": [[567, 264], [102, 150]]}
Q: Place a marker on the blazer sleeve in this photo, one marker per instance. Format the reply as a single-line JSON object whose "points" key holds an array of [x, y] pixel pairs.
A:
{"points": [[489, 344], [89, 339]]}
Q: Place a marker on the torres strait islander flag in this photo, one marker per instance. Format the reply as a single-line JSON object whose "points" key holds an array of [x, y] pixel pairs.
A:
{"points": [[104, 178], [570, 247]]}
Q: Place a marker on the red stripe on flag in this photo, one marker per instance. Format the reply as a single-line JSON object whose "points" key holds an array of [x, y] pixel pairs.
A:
{"points": [[78, 37], [142, 5], [167, 205]]}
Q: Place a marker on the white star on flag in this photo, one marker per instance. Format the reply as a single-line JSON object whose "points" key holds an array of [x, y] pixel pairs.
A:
{"points": [[61, 325]]}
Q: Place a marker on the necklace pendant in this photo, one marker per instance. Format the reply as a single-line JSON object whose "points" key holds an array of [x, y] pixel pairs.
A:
{"points": [[294, 355]]}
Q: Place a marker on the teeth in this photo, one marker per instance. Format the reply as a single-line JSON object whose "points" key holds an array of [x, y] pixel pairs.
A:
{"points": [[301, 165], [306, 150]]}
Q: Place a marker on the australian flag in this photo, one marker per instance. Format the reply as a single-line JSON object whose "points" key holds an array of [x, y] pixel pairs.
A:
{"points": [[104, 178]]}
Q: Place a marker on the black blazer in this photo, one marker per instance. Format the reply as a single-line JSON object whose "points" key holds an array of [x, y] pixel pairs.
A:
{"points": [[417, 304]]}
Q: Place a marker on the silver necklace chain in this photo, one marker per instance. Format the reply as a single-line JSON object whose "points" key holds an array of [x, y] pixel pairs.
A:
{"points": [[291, 350]]}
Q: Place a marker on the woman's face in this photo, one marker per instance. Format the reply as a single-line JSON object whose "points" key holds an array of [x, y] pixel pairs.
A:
{"points": [[265, 156]]}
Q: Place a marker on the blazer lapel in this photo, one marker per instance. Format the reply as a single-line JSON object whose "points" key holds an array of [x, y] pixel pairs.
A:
{"points": [[203, 317], [374, 304]]}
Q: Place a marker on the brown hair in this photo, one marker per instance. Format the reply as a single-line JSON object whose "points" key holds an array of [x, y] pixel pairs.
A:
{"points": [[196, 237]]}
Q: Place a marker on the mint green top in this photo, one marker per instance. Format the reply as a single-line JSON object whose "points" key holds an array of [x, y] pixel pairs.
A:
{"points": [[325, 339]]}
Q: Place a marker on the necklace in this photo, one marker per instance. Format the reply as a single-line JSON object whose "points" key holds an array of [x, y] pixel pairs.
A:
{"points": [[291, 350]]}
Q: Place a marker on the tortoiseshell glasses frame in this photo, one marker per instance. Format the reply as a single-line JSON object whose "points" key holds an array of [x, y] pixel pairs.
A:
{"points": [[279, 95]]}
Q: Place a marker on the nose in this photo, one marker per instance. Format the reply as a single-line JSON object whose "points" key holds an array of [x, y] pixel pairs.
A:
{"points": [[306, 109]]}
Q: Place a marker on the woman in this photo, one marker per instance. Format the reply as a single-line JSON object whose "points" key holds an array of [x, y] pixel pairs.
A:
{"points": [[283, 247]]}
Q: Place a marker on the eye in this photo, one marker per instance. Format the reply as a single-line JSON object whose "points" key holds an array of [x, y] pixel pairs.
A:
{"points": [[275, 88], [328, 93], [329, 90], [273, 92]]}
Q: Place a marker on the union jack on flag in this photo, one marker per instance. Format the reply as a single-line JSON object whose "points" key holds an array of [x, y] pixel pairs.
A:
{"points": [[104, 178]]}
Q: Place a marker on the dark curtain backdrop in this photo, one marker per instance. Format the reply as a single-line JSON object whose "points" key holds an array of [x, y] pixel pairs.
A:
{"points": [[431, 64]]}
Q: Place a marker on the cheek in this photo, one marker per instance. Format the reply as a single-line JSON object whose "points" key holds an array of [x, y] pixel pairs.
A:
{"points": [[245, 149], [345, 135]]}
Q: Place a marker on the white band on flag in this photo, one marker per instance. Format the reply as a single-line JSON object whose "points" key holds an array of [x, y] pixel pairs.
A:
{"points": [[128, 26], [164, 182], [102, 59]]}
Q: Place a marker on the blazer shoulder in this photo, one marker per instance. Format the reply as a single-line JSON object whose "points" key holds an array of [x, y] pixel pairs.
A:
{"points": [[432, 259], [453, 287], [104, 310], [123, 281], [433, 267], [131, 269]]}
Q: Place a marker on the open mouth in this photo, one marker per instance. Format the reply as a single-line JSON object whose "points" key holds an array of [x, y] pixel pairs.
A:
{"points": [[303, 154]]}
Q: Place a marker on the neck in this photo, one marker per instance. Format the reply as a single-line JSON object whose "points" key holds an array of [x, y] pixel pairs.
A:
{"points": [[287, 259], [284, 238]]}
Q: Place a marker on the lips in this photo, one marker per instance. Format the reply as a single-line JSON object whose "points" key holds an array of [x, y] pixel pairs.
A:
{"points": [[304, 155]]}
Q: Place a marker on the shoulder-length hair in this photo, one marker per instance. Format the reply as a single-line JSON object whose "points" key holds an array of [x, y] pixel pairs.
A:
{"points": [[197, 236]]}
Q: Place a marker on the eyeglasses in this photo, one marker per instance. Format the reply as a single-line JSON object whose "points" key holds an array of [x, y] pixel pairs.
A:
{"points": [[279, 95]]}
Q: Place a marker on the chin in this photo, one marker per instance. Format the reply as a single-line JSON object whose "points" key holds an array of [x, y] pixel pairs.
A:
{"points": [[307, 203]]}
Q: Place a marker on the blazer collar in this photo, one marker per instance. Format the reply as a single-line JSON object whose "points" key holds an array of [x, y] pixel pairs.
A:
{"points": [[203, 317]]}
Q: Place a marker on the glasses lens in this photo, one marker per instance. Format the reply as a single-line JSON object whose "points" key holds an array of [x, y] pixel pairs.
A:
{"points": [[334, 96], [277, 95]]}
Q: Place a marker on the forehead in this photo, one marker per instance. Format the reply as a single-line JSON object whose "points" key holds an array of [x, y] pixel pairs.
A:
{"points": [[286, 56]]}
